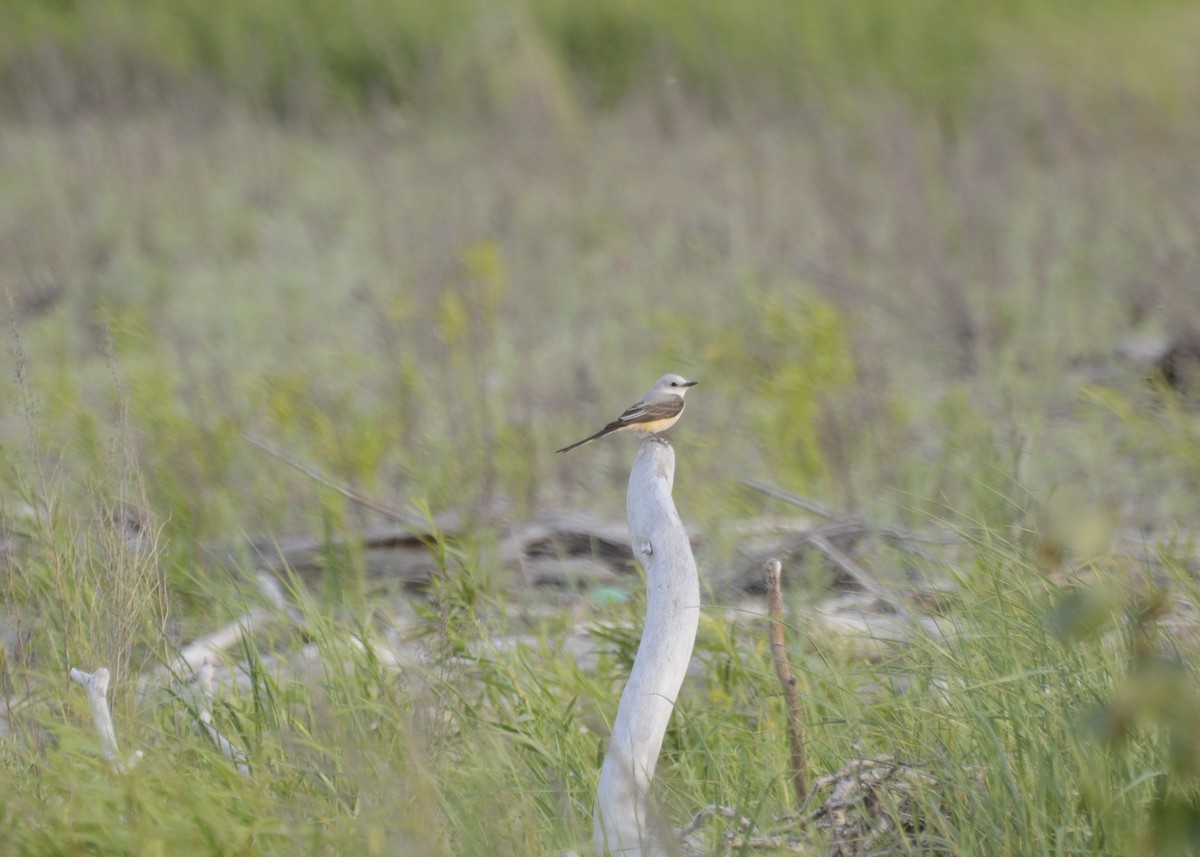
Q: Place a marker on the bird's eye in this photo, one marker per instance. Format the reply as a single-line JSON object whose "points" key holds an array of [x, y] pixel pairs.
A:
{"points": [[674, 383]]}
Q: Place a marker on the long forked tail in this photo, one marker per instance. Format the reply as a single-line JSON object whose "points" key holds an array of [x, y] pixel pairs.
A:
{"points": [[608, 429]]}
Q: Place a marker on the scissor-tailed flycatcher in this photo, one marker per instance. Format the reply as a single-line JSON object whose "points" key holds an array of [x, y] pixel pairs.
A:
{"points": [[657, 411]]}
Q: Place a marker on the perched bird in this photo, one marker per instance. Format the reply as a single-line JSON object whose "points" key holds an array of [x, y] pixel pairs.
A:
{"points": [[657, 411]]}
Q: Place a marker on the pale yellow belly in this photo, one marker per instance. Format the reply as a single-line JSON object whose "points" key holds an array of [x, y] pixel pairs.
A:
{"points": [[655, 426]]}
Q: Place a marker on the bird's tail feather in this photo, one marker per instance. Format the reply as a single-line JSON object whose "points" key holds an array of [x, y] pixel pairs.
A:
{"points": [[596, 436]]}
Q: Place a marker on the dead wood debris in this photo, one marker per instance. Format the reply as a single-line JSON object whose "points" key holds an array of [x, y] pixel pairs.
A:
{"points": [[838, 538], [873, 803], [870, 807]]}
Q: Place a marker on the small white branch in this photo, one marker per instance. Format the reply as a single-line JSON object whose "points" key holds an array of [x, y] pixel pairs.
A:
{"points": [[625, 823], [211, 647], [202, 699], [95, 685]]}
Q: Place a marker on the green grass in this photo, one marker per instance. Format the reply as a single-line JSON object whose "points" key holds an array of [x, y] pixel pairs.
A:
{"points": [[1044, 721]]}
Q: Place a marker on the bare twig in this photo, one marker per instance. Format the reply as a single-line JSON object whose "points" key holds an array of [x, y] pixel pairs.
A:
{"points": [[713, 809], [783, 669], [844, 527], [859, 575], [353, 496], [902, 539], [819, 509]]}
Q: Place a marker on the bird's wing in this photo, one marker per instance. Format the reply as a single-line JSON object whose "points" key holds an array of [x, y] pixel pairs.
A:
{"points": [[635, 415], [649, 412]]}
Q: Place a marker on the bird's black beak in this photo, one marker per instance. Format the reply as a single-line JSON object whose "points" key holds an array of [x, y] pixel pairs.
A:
{"points": [[689, 383]]}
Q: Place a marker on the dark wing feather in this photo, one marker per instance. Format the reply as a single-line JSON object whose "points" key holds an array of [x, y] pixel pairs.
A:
{"points": [[651, 412]]}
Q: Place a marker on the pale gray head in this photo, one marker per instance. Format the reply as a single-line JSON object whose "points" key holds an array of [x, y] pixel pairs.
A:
{"points": [[670, 385]]}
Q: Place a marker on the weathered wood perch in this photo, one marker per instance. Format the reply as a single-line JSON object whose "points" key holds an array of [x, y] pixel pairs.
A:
{"points": [[625, 821]]}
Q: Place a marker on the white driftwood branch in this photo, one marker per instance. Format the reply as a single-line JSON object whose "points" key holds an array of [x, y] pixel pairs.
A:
{"points": [[95, 685], [212, 646], [203, 702], [625, 822]]}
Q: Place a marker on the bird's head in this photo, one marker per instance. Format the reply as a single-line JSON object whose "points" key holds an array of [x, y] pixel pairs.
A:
{"points": [[672, 383]]}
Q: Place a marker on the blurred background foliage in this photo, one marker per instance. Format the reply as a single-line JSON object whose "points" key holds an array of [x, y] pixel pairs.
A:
{"points": [[296, 57], [891, 239]]}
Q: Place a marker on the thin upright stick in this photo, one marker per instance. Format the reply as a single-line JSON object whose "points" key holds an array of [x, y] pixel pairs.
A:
{"points": [[795, 717]]}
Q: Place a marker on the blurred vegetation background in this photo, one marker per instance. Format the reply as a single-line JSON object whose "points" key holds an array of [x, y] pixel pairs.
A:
{"points": [[916, 253], [395, 237], [296, 58]]}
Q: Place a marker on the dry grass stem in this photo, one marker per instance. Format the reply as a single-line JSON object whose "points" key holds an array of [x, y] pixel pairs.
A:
{"points": [[787, 679]]}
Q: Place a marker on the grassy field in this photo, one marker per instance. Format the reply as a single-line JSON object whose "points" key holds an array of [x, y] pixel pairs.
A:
{"points": [[903, 247]]}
